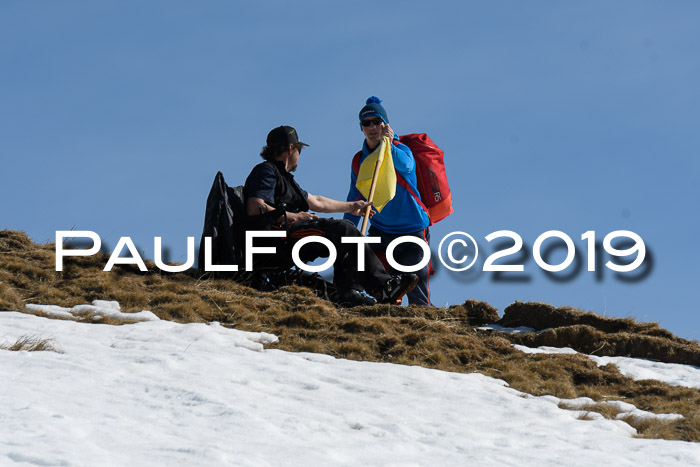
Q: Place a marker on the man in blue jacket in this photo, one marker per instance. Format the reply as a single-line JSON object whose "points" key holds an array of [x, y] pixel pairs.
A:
{"points": [[402, 215]]}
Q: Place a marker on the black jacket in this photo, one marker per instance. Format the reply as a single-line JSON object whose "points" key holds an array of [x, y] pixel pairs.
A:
{"points": [[271, 182], [224, 222]]}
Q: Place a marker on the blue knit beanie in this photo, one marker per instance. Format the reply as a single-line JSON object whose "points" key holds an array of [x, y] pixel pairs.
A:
{"points": [[374, 109]]}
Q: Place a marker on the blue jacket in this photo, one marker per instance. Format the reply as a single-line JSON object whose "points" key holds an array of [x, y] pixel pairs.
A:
{"points": [[402, 214]]}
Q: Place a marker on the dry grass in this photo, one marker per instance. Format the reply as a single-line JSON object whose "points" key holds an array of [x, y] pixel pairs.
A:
{"points": [[31, 344], [685, 429], [606, 410], [597, 335], [441, 338]]}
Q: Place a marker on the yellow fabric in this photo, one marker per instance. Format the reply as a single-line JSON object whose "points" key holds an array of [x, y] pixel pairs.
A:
{"points": [[386, 177]]}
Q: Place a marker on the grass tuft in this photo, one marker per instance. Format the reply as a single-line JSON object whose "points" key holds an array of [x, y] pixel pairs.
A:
{"points": [[31, 344]]}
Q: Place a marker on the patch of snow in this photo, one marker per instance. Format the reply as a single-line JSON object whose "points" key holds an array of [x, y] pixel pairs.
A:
{"points": [[637, 368], [545, 349], [99, 310], [625, 409], [496, 327], [53, 311], [674, 374], [163, 393]]}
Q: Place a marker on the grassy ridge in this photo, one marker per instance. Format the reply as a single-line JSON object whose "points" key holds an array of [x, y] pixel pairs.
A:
{"points": [[440, 338]]}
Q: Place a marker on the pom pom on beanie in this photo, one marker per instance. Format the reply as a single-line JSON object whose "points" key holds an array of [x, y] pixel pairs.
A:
{"points": [[373, 108]]}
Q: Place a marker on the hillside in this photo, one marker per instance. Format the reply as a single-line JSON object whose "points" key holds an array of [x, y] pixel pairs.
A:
{"points": [[442, 338]]}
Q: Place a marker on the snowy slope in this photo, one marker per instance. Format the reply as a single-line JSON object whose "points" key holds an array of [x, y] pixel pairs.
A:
{"points": [[162, 393]]}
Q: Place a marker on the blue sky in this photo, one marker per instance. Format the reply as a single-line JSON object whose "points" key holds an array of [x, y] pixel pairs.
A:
{"points": [[570, 116]]}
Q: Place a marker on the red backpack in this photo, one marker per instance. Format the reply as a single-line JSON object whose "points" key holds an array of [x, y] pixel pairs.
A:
{"points": [[435, 198]]}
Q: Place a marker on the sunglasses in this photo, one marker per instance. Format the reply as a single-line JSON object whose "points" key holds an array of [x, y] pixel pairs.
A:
{"points": [[374, 121]]}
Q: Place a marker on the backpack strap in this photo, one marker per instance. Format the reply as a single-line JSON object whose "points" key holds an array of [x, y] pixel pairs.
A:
{"points": [[356, 163], [399, 178], [402, 181]]}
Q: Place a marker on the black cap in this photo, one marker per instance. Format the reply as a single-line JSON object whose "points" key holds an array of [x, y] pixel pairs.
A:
{"points": [[282, 136]]}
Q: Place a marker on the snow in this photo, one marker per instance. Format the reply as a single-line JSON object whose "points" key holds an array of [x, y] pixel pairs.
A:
{"points": [[671, 373], [505, 330], [636, 368], [162, 393], [545, 349], [625, 409], [99, 310]]}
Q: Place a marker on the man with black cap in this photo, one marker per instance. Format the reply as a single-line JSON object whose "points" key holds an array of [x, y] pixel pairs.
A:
{"points": [[274, 201], [402, 215]]}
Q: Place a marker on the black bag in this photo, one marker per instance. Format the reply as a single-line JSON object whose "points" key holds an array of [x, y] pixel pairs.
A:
{"points": [[224, 222]]}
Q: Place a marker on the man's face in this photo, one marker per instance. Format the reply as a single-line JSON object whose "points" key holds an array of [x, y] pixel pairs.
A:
{"points": [[294, 159], [373, 129]]}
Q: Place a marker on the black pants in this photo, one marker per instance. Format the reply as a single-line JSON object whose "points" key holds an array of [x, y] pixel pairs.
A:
{"points": [[346, 273], [407, 254]]}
